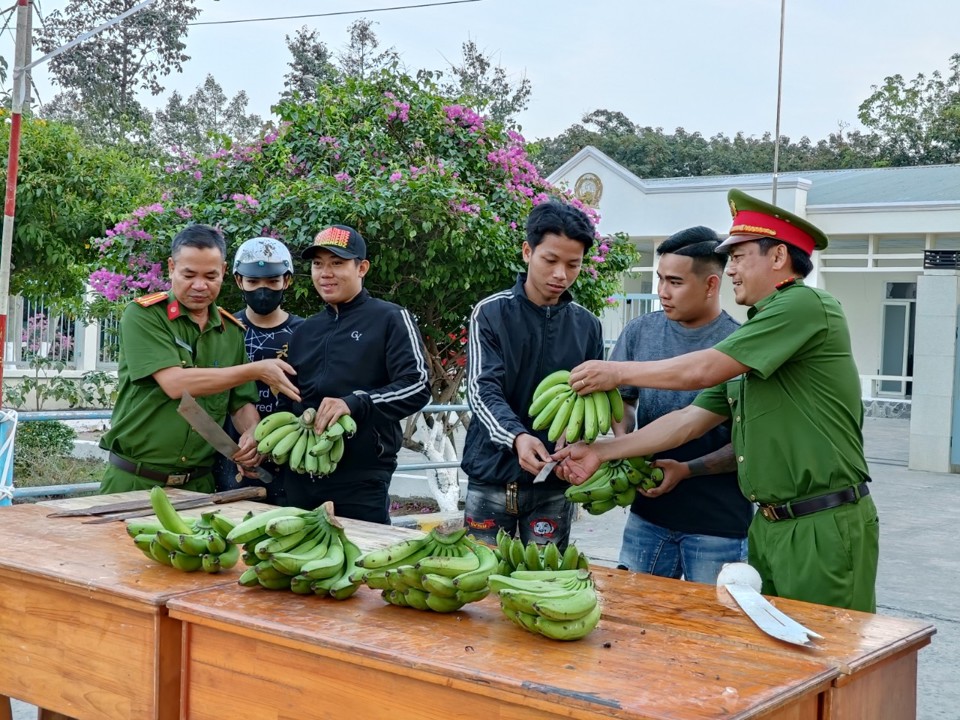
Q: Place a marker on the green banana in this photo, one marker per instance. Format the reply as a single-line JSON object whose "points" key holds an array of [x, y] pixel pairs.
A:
{"points": [[590, 427], [269, 443], [449, 566], [540, 401], [616, 404], [334, 430], [619, 480], [531, 556], [313, 548], [568, 629], [166, 513], [299, 451], [575, 423], [476, 580], [270, 423], [550, 559], [331, 564], [169, 541], [193, 544], [453, 537], [311, 463], [516, 552], [285, 525], [210, 563], [142, 527], [323, 445], [569, 559], [324, 465], [248, 578], [222, 524], [272, 545], [159, 552], [546, 416], [286, 444], [186, 563], [254, 526], [602, 404], [348, 424], [416, 598], [575, 606], [559, 423], [301, 585], [465, 596], [336, 452], [438, 585], [392, 554], [229, 557], [599, 507], [280, 583], [343, 587], [626, 498], [442, 604], [554, 378]]}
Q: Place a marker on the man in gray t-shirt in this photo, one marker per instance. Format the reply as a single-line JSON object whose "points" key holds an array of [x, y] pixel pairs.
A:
{"points": [[697, 519]]}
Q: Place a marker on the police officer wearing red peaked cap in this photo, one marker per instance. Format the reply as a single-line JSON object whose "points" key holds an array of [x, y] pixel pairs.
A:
{"points": [[787, 382]]}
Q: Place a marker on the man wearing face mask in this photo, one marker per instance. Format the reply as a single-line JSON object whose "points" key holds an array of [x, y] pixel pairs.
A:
{"points": [[263, 270]]}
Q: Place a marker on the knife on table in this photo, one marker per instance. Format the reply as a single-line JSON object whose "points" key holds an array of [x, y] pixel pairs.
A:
{"points": [[768, 618], [211, 431]]}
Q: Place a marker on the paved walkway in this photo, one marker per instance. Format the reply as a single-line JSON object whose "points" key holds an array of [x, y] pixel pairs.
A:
{"points": [[919, 575]]}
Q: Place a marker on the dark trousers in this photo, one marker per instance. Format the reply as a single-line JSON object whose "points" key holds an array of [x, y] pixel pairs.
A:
{"points": [[357, 495], [538, 513]]}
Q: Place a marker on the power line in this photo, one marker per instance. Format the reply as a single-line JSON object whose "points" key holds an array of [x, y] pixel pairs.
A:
{"points": [[331, 14]]}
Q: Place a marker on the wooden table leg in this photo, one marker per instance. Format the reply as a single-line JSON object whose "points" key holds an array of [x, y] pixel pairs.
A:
{"points": [[5, 712], [50, 715]]}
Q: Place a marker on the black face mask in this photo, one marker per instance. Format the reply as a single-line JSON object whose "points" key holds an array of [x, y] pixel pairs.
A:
{"points": [[263, 301]]}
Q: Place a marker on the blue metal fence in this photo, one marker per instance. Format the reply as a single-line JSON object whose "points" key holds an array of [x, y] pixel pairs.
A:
{"points": [[77, 488]]}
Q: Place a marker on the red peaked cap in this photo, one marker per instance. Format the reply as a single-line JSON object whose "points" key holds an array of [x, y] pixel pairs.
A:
{"points": [[754, 219]]}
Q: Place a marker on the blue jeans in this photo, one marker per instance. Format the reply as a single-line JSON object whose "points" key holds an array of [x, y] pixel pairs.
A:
{"points": [[654, 550], [538, 513]]}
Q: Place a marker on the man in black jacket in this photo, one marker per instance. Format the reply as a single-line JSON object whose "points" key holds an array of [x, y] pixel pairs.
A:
{"points": [[516, 338], [359, 356]]}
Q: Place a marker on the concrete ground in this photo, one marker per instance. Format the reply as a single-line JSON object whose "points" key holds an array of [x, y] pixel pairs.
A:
{"points": [[918, 574]]}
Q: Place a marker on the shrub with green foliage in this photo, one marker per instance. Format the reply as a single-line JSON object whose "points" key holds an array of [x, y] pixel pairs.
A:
{"points": [[441, 194]]}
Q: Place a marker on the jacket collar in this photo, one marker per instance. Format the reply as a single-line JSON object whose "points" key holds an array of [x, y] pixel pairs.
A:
{"points": [[519, 291], [359, 299]]}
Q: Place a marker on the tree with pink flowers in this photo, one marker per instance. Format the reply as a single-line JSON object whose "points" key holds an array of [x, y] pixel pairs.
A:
{"points": [[440, 192]]}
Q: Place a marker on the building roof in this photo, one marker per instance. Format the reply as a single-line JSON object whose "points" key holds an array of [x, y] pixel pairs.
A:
{"points": [[862, 186]]}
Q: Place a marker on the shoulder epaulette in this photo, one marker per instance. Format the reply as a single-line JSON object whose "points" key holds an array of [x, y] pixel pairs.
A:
{"points": [[152, 299], [224, 315]]}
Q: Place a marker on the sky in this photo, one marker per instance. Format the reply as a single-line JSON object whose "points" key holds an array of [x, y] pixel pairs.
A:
{"points": [[705, 65]]}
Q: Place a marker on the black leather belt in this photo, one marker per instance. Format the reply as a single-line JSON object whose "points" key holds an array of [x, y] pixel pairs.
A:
{"points": [[799, 508], [173, 479]]}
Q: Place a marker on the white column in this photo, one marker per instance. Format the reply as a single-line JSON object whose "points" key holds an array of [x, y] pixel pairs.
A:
{"points": [[935, 370]]}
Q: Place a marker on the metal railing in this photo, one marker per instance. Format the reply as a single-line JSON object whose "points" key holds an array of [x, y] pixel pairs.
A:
{"points": [[77, 488]]}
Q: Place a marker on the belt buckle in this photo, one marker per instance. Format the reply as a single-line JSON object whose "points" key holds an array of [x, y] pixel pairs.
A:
{"points": [[769, 512], [178, 479]]}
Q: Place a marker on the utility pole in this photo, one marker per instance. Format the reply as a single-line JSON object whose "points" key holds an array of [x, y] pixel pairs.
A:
{"points": [[776, 139]]}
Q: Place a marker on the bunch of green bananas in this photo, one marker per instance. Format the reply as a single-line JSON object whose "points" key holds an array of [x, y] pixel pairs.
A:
{"points": [[303, 551], [513, 555], [291, 440], [614, 484], [435, 572], [187, 545], [557, 409], [560, 605]]}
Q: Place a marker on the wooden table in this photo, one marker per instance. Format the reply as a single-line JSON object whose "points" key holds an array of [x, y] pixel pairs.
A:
{"points": [[876, 656], [664, 649], [84, 629]]}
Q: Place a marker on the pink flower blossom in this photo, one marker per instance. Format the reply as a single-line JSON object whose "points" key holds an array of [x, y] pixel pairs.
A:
{"points": [[396, 177]]}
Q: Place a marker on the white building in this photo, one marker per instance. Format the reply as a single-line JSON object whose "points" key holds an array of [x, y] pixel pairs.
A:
{"points": [[882, 224]]}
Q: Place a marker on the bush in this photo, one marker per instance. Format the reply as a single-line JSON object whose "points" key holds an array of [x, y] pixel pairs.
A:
{"points": [[37, 441]]}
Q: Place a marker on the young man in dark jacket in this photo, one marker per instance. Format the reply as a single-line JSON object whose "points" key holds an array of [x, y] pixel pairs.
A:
{"points": [[359, 356], [516, 338]]}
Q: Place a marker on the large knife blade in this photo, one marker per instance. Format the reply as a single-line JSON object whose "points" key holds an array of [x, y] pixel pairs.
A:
{"points": [[211, 431], [766, 617]]}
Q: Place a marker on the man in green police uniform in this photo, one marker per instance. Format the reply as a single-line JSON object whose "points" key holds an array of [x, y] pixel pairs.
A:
{"points": [[787, 381], [177, 341]]}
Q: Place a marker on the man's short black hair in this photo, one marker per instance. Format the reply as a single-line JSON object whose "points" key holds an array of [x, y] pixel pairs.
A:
{"points": [[559, 218], [199, 236], [699, 243], [799, 260]]}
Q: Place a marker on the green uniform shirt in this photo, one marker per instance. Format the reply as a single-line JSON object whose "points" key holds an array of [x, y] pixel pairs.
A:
{"points": [[145, 426], [797, 414]]}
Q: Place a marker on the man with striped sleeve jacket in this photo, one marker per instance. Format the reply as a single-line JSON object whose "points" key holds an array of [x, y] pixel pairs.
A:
{"points": [[516, 338], [358, 356]]}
